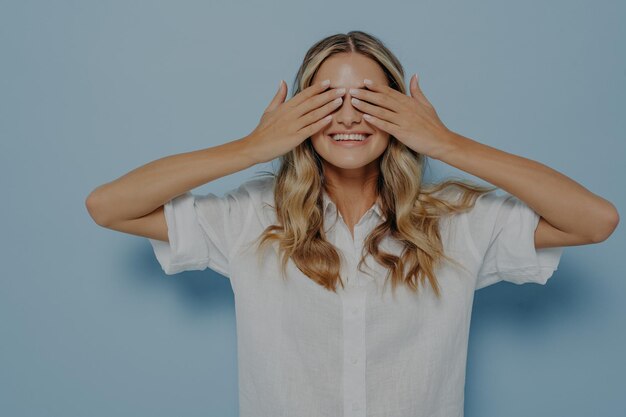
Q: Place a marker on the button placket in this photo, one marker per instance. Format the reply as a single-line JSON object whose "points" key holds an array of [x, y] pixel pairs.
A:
{"points": [[354, 351], [353, 299]]}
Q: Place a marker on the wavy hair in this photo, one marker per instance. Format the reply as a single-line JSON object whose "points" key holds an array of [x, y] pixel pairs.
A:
{"points": [[412, 208]]}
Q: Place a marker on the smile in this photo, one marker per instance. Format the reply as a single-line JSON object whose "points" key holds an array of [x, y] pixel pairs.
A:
{"points": [[349, 141], [351, 136]]}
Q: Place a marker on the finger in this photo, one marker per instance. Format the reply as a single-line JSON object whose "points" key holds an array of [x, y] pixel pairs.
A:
{"points": [[383, 89], [319, 100], [380, 99], [312, 129], [416, 91], [388, 127], [377, 111], [381, 95], [413, 88], [317, 114], [279, 97], [308, 92]]}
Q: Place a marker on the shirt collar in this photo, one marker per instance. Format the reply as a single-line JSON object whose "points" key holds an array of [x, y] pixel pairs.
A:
{"points": [[328, 204]]}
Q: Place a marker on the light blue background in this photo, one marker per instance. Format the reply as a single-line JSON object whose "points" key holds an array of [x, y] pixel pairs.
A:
{"points": [[89, 323]]}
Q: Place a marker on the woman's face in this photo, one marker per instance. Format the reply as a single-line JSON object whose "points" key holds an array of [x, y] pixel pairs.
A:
{"points": [[348, 70]]}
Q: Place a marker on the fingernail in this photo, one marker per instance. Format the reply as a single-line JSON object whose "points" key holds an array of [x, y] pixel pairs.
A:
{"points": [[367, 82], [280, 84], [325, 83]]}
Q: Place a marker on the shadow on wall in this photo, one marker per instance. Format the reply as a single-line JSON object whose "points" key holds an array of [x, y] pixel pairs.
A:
{"points": [[528, 314], [200, 292], [567, 295]]}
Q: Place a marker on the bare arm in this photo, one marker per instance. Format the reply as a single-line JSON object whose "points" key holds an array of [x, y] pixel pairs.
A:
{"points": [[133, 203], [569, 213], [560, 201]]}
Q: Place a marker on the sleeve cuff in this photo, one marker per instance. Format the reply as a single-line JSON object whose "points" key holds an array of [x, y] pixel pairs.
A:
{"points": [[519, 261], [186, 249]]}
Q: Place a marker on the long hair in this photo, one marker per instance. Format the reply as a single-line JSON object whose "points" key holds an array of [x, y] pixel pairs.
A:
{"points": [[412, 208]]}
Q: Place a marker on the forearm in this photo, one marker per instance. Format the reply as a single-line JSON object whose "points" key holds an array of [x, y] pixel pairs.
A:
{"points": [[144, 189], [554, 196]]}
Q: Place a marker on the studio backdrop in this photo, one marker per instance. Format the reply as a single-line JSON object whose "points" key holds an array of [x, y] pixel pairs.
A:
{"points": [[90, 325]]}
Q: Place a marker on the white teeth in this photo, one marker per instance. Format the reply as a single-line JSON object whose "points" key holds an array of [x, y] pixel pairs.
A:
{"points": [[339, 137]]}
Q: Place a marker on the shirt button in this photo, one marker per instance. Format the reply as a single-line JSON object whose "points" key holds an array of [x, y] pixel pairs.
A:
{"points": [[354, 360]]}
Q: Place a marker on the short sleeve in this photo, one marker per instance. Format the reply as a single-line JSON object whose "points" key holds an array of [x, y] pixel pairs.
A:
{"points": [[203, 231], [502, 230]]}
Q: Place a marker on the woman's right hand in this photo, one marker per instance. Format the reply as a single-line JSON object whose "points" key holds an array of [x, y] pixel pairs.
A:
{"points": [[284, 125]]}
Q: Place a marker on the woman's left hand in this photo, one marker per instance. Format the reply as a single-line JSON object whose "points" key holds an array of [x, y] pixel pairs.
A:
{"points": [[411, 120]]}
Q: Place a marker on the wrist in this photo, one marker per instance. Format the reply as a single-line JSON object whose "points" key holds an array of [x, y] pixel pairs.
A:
{"points": [[248, 149], [447, 144]]}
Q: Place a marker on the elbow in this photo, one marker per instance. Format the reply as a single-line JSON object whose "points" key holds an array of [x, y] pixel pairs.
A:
{"points": [[94, 208], [609, 224]]}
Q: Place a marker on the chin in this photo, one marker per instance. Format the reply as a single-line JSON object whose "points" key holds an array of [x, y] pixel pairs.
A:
{"points": [[347, 164]]}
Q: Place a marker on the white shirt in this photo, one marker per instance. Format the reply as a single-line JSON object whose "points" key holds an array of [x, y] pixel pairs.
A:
{"points": [[306, 351]]}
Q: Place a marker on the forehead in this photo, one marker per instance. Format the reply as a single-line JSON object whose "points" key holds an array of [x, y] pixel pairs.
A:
{"points": [[349, 70], [346, 84]]}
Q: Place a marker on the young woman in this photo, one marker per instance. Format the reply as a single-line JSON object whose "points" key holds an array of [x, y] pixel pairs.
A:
{"points": [[310, 250]]}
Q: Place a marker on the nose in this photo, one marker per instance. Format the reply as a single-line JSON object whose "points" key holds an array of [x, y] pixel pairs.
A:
{"points": [[347, 114]]}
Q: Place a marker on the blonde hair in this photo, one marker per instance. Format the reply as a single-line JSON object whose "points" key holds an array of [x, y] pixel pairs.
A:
{"points": [[412, 208]]}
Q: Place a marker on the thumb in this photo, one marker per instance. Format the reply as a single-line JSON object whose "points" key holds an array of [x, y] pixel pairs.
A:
{"points": [[416, 91], [279, 97]]}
